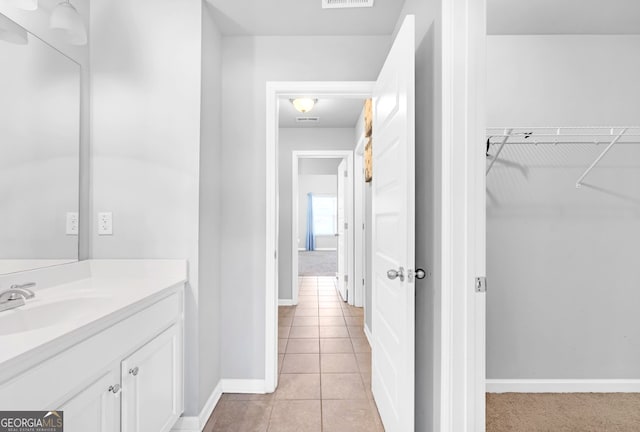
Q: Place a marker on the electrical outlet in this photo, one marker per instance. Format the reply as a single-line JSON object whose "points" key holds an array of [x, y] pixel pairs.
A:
{"points": [[72, 223], [105, 223]]}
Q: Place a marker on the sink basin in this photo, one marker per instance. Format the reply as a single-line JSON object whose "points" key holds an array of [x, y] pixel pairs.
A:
{"points": [[28, 318]]}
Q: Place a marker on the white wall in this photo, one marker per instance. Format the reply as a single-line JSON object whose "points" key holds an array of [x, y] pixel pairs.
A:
{"points": [[146, 91], [562, 262], [428, 203], [37, 22], [209, 278], [248, 63], [317, 184], [299, 139]]}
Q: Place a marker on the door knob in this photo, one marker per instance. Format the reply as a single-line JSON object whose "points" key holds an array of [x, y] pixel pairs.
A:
{"points": [[115, 389], [134, 371], [420, 274], [395, 274]]}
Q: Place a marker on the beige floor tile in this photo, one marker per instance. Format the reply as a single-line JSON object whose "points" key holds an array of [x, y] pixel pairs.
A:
{"points": [[304, 332], [354, 312], [280, 362], [334, 332], [350, 416], [356, 332], [283, 332], [301, 363], [298, 386], [336, 346], [330, 312], [328, 305], [366, 380], [295, 416], [305, 321], [247, 397], [307, 312], [282, 346], [285, 321], [343, 386], [245, 416], [303, 346], [364, 362], [354, 321], [361, 345], [338, 363], [332, 321]]}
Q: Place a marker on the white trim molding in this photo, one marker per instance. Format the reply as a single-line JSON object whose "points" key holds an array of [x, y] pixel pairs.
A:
{"points": [[368, 334], [286, 302], [563, 386], [274, 91], [197, 423]]}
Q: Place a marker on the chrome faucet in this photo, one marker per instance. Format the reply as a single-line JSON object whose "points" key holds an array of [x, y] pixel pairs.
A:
{"points": [[16, 295]]}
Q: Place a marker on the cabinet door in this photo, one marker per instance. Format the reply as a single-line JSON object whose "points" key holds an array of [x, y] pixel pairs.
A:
{"points": [[152, 384], [96, 407]]}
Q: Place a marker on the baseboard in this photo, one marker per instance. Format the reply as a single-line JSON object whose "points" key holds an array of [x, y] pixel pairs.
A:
{"points": [[563, 386], [256, 386], [367, 333], [286, 302], [197, 423]]}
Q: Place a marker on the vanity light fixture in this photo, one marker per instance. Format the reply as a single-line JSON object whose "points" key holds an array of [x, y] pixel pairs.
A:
{"points": [[66, 18], [12, 32], [304, 105], [29, 5]]}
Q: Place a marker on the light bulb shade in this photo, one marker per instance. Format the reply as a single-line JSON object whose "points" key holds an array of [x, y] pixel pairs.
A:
{"points": [[29, 5], [304, 105], [66, 19], [12, 32]]}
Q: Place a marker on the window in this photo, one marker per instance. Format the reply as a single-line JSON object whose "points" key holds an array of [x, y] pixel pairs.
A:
{"points": [[325, 214]]}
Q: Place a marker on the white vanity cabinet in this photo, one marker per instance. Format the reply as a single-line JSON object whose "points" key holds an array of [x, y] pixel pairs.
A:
{"points": [[152, 384], [122, 374]]}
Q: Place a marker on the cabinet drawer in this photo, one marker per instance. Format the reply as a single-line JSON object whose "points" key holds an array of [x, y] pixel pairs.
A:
{"points": [[57, 378]]}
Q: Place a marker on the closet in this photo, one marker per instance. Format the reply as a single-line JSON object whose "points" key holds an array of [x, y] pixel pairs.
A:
{"points": [[563, 232]]}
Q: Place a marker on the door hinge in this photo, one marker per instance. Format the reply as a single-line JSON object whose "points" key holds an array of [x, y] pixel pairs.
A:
{"points": [[346, 278], [362, 281], [346, 173], [481, 284], [346, 225], [275, 254]]}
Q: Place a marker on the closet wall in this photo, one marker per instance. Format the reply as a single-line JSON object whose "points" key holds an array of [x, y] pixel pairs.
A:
{"points": [[563, 262]]}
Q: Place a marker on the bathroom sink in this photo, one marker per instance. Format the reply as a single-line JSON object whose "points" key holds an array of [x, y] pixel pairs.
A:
{"points": [[35, 317]]}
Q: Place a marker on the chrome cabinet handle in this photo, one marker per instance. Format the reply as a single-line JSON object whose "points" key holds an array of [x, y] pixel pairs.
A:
{"points": [[134, 371], [395, 274], [115, 389]]}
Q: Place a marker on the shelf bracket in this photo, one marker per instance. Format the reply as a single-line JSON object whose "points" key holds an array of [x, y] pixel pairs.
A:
{"points": [[580, 181], [502, 144]]}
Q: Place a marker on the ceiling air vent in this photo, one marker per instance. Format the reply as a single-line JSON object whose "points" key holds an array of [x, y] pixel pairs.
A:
{"points": [[334, 4], [307, 119]]}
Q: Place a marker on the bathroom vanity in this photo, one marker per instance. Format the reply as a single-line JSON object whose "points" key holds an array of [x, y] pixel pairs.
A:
{"points": [[102, 341]]}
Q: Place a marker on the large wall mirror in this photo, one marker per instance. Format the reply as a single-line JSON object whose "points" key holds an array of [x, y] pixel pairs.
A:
{"points": [[39, 152]]}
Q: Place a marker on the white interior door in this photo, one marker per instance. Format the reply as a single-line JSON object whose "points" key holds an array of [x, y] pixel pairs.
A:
{"points": [[343, 263], [393, 234]]}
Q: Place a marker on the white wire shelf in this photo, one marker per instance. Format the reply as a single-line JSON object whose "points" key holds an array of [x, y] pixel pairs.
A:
{"points": [[596, 135]]}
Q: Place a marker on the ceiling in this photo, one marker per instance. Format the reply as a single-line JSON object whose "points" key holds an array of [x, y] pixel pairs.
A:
{"points": [[333, 113], [303, 17], [563, 17]]}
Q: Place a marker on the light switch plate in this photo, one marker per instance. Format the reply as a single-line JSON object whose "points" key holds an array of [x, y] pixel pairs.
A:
{"points": [[72, 223], [105, 223]]}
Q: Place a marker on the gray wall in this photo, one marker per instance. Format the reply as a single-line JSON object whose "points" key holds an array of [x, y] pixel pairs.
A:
{"points": [[299, 139], [210, 208], [562, 262], [248, 63]]}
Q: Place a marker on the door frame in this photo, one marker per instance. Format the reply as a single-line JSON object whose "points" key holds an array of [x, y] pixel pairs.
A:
{"points": [[359, 221], [461, 344], [274, 91], [295, 159]]}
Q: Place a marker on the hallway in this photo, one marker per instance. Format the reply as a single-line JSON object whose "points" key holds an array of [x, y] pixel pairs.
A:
{"points": [[325, 372]]}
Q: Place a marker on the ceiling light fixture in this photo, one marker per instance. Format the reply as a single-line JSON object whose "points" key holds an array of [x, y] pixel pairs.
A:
{"points": [[66, 18], [304, 105], [29, 5]]}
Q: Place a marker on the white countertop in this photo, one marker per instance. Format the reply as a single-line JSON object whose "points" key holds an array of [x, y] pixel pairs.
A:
{"points": [[87, 295]]}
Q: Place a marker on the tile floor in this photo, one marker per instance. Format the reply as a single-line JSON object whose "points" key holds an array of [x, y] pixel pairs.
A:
{"points": [[325, 372]]}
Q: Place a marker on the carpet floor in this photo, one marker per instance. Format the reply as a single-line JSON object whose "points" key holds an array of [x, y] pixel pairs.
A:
{"points": [[317, 263], [563, 412]]}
